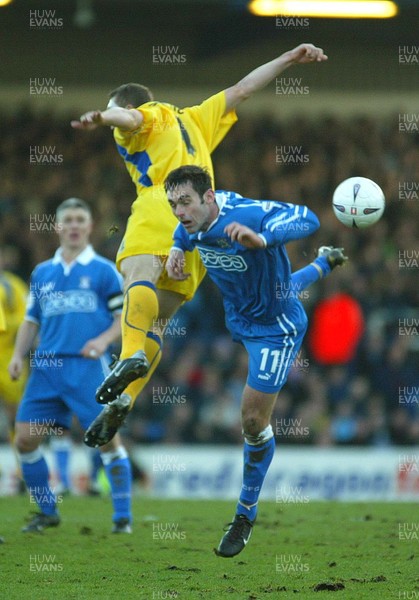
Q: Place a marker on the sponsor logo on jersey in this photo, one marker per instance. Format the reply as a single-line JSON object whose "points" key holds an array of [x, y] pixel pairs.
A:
{"points": [[218, 260], [79, 301]]}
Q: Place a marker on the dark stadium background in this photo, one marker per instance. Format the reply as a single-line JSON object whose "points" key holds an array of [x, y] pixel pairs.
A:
{"points": [[348, 125]]}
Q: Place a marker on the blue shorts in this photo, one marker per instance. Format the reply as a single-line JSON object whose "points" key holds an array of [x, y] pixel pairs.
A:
{"points": [[60, 388], [271, 357]]}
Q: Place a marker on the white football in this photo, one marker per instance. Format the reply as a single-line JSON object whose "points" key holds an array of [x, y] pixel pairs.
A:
{"points": [[358, 202]]}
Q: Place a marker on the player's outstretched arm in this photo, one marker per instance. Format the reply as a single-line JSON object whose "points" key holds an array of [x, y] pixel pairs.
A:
{"points": [[24, 341], [260, 77], [127, 119]]}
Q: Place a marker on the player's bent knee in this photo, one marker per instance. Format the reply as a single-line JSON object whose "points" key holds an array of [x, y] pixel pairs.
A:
{"points": [[25, 444], [253, 424], [256, 438]]}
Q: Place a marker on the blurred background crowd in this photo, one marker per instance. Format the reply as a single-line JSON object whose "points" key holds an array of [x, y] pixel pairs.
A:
{"points": [[194, 396]]}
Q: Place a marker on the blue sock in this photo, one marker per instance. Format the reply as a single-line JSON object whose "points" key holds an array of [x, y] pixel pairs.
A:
{"points": [[61, 448], [36, 474], [257, 459], [96, 463], [118, 471]]}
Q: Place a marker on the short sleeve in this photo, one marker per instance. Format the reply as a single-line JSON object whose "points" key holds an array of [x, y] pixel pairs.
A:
{"points": [[112, 289], [135, 140], [33, 308], [210, 119]]}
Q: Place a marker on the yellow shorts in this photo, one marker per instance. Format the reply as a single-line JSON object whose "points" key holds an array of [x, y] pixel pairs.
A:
{"points": [[11, 392], [150, 231]]}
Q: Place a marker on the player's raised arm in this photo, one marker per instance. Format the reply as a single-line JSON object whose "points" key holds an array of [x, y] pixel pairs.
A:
{"points": [[288, 222], [127, 119], [260, 77]]}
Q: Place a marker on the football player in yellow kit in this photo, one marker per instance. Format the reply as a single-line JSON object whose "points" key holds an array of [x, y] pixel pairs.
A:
{"points": [[153, 138], [13, 296]]}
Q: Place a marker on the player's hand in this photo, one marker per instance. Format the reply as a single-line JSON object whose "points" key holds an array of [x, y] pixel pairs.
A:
{"points": [[175, 265], [306, 53], [89, 121], [93, 348], [244, 236], [15, 368]]}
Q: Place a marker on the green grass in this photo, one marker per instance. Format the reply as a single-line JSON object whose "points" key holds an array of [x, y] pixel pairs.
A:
{"points": [[354, 547]]}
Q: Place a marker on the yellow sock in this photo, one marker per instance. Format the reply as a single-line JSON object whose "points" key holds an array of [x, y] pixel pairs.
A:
{"points": [[141, 308], [153, 347]]}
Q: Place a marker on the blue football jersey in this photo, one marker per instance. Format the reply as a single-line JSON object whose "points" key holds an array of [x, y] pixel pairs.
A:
{"points": [[73, 303], [255, 283]]}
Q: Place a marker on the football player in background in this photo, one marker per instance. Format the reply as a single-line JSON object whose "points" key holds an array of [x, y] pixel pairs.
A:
{"points": [[153, 138], [13, 296], [242, 245], [74, 307]]}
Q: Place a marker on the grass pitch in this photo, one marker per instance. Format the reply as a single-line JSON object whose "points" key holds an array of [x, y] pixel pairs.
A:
{"points": [[313, 550]]}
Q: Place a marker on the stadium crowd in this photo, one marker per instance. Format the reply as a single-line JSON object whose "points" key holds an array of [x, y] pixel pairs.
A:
{"points": [[194, 396]]}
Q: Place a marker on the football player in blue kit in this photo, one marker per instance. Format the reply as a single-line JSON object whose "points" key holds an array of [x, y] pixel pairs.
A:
{"points": [[74, 308], [242, 245]]}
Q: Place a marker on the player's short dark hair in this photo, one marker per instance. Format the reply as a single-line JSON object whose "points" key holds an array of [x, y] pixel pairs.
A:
{"points": [[72, 203], [199, 178], [131, 93]]}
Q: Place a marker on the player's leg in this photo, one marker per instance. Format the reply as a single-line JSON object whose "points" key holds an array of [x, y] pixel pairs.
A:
{"points": [[40, 413], [259, 448], [35, 472], [61, 446], [146, 281], [171, 295], [270, 360], [118, 470], [82, 376], [169, 304], [140, 310], [96, 465], [11, 393], [113, 415]]}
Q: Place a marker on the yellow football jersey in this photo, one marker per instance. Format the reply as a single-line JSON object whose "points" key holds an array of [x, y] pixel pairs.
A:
{"points": [[13, 295], [2, 318], [170, 137]]}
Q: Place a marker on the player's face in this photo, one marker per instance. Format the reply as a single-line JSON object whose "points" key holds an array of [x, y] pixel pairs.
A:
{"points": [[74, 228], [195, 213]]}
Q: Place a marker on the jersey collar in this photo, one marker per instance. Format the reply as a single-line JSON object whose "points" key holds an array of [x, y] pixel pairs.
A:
{"points": [[221, 199], [84, 258]]}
